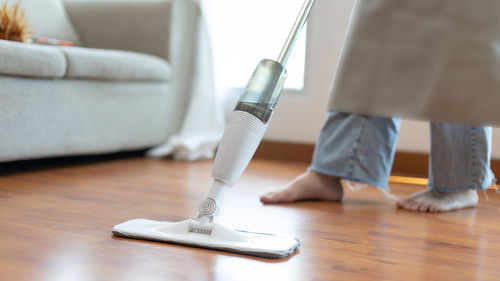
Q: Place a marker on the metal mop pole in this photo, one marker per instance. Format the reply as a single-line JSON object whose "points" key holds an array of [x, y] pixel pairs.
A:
{"points": [[295, 32]]}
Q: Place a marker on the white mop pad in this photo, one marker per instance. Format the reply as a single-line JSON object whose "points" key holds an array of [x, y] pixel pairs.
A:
{"points": [[221, 238]]}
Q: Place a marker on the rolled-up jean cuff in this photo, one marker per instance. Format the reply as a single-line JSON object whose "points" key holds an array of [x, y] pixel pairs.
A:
{"points": [[460, 188], [348, 178], [490, 180]]}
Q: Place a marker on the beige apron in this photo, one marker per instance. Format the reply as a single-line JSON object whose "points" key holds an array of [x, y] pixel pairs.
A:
{"points": [[436, 60]]}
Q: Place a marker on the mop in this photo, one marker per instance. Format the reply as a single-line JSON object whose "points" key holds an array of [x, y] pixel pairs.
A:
{"points": [[242, 136]]}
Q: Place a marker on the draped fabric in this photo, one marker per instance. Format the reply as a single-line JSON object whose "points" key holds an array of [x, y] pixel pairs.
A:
{"points": [[203, 124], [436, 60]]}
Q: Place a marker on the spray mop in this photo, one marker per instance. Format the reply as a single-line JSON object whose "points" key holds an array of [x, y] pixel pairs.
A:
{"points": [[242, 136]]}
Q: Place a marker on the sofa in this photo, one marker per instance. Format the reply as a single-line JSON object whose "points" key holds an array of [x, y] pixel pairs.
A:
{"points": [[124, 85]]}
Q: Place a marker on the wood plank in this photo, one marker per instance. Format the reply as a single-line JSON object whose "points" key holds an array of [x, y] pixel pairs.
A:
{"points": [[56, 221]]}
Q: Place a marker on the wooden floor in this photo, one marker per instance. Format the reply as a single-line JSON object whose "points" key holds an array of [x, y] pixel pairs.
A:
{"points": [[56, 221]]}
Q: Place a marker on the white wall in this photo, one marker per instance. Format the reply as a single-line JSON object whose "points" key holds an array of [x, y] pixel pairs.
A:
{"points": [[299, 116]]}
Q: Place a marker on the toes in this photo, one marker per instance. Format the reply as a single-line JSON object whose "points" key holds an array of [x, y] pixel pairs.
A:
{"points": [[421, 201], [424, 207], [434, 208], [402, 203], [284, 196], [265, 199], [442, 208], [414, 206], [413, 202], [406, 204], [271, 197]]}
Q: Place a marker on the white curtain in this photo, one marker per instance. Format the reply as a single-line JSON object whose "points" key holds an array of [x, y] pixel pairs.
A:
{"points": [[203, 123]]}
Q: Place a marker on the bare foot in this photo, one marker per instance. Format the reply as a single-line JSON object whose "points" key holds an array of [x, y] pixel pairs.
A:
{"points": [[309, 185], [433, 201]]}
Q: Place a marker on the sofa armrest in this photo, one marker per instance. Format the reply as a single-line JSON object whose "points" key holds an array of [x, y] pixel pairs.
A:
{"points": [[133, 25]]}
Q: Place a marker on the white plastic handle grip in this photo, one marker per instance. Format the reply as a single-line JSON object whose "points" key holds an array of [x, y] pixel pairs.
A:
{"points": [[241, 138]]}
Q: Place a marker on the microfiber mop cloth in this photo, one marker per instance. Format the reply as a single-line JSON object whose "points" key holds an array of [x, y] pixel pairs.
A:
{"points": [[221, 238]]}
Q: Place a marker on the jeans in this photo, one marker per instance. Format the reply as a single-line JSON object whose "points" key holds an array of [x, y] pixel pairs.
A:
{"points": [[361, 149]]}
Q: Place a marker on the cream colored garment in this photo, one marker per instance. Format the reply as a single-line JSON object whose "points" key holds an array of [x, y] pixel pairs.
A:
{"points": [[433, 60]]}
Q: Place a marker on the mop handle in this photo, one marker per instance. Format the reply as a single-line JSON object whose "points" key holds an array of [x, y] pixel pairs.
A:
{"points": [[294, 33]]}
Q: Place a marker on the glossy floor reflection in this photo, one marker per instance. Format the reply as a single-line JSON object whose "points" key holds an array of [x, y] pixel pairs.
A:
{"points": [[55, 225]]}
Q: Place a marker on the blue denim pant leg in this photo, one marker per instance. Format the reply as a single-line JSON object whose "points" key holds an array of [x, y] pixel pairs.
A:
{"points": [[460, 157], [356, 148]]}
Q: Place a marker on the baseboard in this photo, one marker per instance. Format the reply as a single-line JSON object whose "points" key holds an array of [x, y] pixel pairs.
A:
{"points": [[285, 151], [407, 164]]}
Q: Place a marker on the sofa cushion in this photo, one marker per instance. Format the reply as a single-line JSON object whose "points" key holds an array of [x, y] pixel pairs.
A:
{"points": [[20, 59], [48, 18], [98, 64], [31, 60]]}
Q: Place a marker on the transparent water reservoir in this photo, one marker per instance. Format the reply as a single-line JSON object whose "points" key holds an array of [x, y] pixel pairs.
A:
{"points": [[263, 90]]}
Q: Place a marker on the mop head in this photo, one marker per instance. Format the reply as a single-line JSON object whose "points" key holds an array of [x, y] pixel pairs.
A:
{"points": [[221, 238]]}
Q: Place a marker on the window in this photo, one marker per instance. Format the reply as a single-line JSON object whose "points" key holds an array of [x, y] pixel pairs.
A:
{"points": [[247, 31]]}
